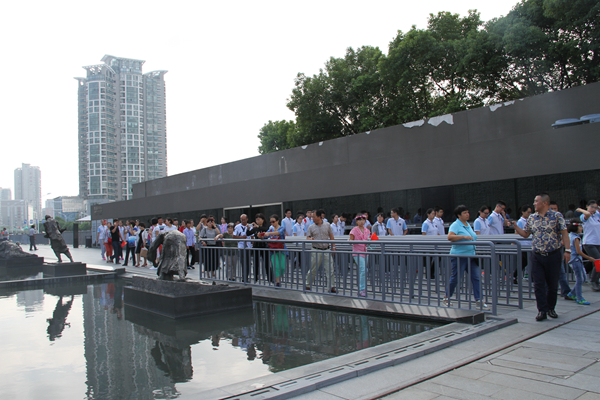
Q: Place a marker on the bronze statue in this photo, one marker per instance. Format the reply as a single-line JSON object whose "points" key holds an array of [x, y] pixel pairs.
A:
{"points": [[172, 255], [54, 233]]}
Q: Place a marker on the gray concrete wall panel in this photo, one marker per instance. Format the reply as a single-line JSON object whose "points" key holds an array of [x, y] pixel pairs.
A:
{"points": [[514, 141]]}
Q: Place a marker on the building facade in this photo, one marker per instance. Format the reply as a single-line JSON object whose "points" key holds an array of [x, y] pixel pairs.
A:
{"points": [[28, 187], [121, 128], [5, 194], [16, 214], [69, 208], [510, 152]]}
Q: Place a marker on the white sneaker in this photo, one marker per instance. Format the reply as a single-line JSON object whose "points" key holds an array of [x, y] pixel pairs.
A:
{"points": [[482, 305], [447, 302], [152, 268]]}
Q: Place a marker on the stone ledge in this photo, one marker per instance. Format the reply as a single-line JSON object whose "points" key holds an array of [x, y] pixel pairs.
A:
{"points": [[366, 306]]}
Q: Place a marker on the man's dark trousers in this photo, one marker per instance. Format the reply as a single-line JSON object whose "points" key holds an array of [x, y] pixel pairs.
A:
{"points": [[546, 271]]}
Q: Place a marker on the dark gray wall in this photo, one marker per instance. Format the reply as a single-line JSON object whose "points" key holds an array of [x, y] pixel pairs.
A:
{"points": [[481, 145]]}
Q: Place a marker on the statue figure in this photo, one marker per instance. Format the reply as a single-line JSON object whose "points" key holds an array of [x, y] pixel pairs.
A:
{"points": [[172, 255], [8, 249], [54, 233]]}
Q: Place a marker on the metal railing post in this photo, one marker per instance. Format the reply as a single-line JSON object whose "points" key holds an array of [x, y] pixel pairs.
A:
{"points": [[382, 268], [494, 273]]}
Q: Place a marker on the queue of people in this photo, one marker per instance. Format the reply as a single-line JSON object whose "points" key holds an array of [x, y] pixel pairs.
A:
{"points": [[557, 244]]}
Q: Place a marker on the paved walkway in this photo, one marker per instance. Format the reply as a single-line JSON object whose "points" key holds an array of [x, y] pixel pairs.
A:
{"points": [[559, 364], [556, 358], [553, 359]]}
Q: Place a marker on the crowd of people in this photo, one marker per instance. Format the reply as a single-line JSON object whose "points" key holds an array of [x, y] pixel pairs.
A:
{"points": [[134, 239]]}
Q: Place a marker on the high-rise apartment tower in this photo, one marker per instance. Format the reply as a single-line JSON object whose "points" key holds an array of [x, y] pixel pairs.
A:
{"points": [[28, 187], [122, 128]]}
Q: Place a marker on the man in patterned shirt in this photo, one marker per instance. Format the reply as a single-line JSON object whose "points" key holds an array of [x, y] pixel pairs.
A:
{"points": [[548, 228]]}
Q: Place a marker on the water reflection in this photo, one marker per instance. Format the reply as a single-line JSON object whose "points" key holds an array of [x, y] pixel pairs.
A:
{"points": [[129, 353], [57, 323]]}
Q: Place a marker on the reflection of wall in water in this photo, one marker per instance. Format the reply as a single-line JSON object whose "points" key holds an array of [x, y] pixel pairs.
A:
{"points": [[330, 332], [313, 334], [119, 362], [30, 299]]}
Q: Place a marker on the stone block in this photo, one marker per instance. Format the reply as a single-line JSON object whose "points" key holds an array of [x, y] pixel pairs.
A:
{"points": [[13, 273], [64, 269], [21, 262], [175, 299]]}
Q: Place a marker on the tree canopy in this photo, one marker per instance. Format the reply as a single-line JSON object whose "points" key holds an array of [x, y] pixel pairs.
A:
{"points": [[455, 64]]}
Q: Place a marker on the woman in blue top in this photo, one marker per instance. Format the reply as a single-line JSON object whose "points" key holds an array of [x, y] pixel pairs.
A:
{"points": [[277, 257], [460, 231]]}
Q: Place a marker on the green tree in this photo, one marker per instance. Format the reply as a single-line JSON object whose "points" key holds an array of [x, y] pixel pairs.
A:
{"points": [[276, 136], [343, 99], [547, 45], [428, 72], [456, 63]]}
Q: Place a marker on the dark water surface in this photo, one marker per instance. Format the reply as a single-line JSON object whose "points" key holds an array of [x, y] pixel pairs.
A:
{"points": [[81, 342]]}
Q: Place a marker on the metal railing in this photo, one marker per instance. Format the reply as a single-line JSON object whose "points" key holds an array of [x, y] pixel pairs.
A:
{"points": [[406, 271]]}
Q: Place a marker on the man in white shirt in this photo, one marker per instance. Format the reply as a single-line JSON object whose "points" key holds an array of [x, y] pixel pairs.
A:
{"points": [[307, 222], [439, 222], [288, 223], [396, 226], [240, 232], [101, 236], [170, 226], [342, 224], [497, 219], [31, 232], [160, 227]]}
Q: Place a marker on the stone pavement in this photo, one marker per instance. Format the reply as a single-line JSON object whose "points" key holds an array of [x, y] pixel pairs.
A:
{"points": [[559, 364], [528, 360]]}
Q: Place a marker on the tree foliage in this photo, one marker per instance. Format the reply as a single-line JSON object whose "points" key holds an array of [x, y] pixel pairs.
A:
{"points": [[456, 63]]}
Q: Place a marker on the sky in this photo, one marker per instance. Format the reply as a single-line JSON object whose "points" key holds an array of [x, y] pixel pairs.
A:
{"points": [[231, 68]]}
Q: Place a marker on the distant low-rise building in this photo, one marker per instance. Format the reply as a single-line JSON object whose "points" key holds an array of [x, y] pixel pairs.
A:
{"points": [[69, 208], [16, 214]]}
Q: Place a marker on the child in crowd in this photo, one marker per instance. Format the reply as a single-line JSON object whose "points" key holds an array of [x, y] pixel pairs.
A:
{"points": [[577, 262]]}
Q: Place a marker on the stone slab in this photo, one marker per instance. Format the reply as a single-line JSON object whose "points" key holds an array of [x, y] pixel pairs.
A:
{"points": [[373, 307], [19, 272], [64, 269], [173, 299], [21, 261]]}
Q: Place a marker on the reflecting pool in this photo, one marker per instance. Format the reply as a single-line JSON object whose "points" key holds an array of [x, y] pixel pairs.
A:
{"points": [[82, 342]]}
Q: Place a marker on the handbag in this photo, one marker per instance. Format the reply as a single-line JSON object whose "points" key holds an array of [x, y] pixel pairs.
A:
{"points": [[109, 240], [144, 252]]}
